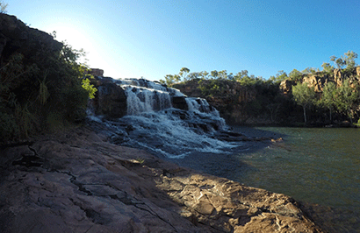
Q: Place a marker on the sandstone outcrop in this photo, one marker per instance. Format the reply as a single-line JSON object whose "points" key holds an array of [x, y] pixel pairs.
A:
{"points": [[319, 79], [230, 102], [96, 72], [285, 86], [77, 182], [16, 37], [110, 99]]}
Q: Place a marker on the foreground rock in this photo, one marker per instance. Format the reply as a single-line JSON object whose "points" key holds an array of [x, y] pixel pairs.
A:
{"points": [[77, 182]]}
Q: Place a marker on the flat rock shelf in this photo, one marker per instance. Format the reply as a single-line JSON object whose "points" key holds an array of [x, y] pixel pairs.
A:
{"points": [[76, 181]]}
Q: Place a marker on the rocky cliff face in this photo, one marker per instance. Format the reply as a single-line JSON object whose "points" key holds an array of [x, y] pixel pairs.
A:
{"points": [[75, 181], [320, 79], [230, 101], [110, 99]]}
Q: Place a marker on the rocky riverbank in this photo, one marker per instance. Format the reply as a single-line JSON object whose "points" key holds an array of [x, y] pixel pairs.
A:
{"points": [[76, 181]]}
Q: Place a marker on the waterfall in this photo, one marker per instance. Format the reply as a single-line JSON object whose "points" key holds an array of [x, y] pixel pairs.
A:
{"points": [[154, 123], [145, 100]]}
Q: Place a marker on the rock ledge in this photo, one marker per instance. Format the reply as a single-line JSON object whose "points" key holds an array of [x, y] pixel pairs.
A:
{"points": [[77, 182]]}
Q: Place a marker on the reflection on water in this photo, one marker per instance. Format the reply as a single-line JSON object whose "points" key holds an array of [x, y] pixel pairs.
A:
{"points": [[312, 165]]}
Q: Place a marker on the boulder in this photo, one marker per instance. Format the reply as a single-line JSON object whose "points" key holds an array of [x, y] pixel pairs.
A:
{"points": [[358, 71], [338, 77], [286, 85], [110, 99]]}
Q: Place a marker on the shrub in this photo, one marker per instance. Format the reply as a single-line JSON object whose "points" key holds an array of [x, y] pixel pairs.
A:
{"points": [[42, 92]]}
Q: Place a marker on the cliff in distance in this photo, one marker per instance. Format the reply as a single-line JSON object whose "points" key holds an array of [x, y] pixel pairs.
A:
{"points": [[319, 79], [254, 101]]}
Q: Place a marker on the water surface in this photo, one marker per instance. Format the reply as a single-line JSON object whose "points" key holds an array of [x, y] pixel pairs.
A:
{"points": [[312, 165]]}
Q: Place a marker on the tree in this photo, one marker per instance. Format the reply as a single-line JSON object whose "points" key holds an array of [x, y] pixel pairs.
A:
{"points": [[327, 68], [222, 74], [295, 75], [346, 98], [310, 70], [304, 96], [184, 73], [280, 76], [339, 62], [328, 97], [193, 75], [204, 74], [214, 73], [349, 59], [169, 79]]}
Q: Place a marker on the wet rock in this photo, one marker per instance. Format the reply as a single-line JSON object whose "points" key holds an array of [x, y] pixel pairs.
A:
{"points": [[110, 99], [179, 102]]}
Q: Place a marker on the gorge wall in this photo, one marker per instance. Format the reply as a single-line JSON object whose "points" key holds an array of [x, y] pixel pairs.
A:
{"points": [[237, 104], [264, 102], [319, 79]]}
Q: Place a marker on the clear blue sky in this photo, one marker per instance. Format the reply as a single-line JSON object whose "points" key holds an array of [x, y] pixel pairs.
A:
{"points": [[152, 38]]}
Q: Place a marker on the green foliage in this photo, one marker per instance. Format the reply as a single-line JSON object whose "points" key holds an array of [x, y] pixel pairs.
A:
{"points": [[38, 89], [171, 79], [348, 59], [43, 90], [183, 73], [295, 75], [90, 89], [212, 87], [338, 101], [358, 123], [328, 98], [327, 68], [280, 76], [73, 111], [310, 70], [214, 74], [304, 96], [347, 97], [25, 119], [337, 61]]}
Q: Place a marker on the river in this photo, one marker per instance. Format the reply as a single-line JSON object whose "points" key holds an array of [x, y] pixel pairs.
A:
{"points": [[313, 165]]}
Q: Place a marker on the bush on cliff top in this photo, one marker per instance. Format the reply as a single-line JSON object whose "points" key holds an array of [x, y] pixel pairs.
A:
{"points": [[41, 93]]}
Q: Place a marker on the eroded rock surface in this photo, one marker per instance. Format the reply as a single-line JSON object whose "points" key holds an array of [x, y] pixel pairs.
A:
{"points": [[77, 182]]}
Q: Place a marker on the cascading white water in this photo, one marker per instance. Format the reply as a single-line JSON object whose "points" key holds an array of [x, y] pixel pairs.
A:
{"points": [[201, 105], [153, 124], [145, 100]]}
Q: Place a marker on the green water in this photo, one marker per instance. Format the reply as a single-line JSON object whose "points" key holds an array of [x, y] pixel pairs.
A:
{"points": [[314, 165]]}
